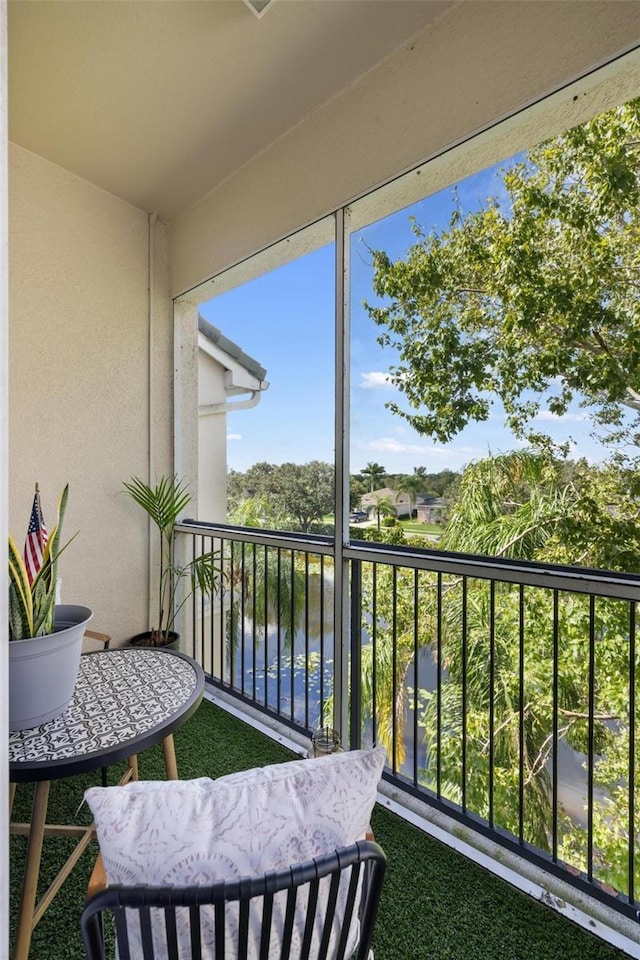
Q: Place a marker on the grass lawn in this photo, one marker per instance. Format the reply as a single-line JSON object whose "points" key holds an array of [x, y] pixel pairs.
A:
{"points": [[412, 526]]}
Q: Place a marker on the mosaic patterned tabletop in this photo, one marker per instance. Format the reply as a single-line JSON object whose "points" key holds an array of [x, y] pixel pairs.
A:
{"points": [[120, 695]]}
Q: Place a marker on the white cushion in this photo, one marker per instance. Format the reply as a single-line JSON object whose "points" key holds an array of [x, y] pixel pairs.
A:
{"points": [[199, 831]]}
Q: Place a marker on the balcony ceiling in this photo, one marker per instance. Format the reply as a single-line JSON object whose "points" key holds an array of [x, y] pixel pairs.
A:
{"points": [[159, 101]]}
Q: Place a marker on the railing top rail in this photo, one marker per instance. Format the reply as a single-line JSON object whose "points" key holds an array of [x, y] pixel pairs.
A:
{"points": [[530, 573], [625, 586], [304, 542]]}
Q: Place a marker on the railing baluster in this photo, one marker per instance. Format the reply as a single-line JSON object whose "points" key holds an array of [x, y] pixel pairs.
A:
{"points": [[374, 650], [355, 706], [492, 690], [448, 621], [223, 623], [243, 594], [521, 740], [232, 608], [439, 692], [212, 632], [266, 621], [394, 676], [254, 619], [322, 652], [198, 644], [591, 754], [306, 640], [554, 768], [292, 635], [632, 749], [415, 675], [463, 762], [279, 631]]}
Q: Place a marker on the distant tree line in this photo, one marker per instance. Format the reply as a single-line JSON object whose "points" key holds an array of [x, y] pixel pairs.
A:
{"points": [[298, 496]]}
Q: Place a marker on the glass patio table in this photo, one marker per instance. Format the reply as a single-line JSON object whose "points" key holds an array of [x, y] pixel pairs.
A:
{"points": [[124, 701]]}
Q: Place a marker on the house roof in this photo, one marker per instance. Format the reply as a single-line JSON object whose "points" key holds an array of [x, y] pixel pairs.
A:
{"points": [[384, 492], [232, 349]]}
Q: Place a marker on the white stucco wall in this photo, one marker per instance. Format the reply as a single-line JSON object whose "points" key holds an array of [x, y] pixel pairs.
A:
{"points": [[477, 63], [212, 442], [81, 350]]}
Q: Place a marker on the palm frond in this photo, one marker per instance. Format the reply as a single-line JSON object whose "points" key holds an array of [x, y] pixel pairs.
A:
{"points": [[163, 503]]}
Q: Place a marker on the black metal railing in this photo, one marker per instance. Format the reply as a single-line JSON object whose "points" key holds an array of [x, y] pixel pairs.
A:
{"points": [[267, 635], [504, 692]]}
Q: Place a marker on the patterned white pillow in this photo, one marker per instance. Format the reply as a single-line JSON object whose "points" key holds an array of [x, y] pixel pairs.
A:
{"points": [[199, 831]]}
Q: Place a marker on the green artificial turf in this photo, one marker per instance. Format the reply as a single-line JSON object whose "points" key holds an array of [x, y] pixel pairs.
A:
{"points": [[436, 905]]}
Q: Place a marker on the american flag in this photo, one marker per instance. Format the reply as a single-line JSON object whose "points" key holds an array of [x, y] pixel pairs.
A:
{"points": [[37, 537]]}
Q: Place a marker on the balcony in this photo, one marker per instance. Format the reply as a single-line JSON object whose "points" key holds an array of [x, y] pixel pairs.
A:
{"points": [[168, 176]]}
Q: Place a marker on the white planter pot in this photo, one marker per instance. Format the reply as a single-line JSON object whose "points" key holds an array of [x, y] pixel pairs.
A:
{"points": [[43, 670]]}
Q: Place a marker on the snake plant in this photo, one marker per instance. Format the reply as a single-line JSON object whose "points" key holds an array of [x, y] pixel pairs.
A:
{"points": [[32, 605]]}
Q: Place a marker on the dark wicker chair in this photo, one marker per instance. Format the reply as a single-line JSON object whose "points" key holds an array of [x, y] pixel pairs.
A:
{"points": [[255, 918]]}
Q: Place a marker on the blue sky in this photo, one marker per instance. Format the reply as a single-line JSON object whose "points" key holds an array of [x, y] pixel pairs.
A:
{"points": [[285, 320]]}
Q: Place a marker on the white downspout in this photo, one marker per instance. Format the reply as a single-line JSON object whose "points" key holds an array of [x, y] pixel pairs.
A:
{"points": [[208, 409]]}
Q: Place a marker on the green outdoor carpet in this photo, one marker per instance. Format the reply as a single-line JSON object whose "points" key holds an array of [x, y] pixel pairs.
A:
{"points": [[436, 905]]}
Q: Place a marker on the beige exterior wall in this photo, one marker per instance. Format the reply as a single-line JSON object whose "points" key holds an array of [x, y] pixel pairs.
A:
{"points": [[83, 341], [212, 442], [477, 63]]}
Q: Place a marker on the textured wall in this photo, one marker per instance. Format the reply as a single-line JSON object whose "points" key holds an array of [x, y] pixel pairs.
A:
{"points": [[476, 63], [212, 442], [79, 379]]}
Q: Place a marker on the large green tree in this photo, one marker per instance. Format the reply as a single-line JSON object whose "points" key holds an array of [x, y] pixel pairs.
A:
{"points": [[533, 300], [530, 302], [293, 495]]}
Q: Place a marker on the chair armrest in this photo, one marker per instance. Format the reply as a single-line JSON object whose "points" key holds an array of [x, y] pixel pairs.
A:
{"points": [[103, 638]]}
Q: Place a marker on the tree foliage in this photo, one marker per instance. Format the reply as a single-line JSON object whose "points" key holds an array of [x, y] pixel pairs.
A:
{"points": [[527, 506], [374, 475], [289, 495], [532, 300]]}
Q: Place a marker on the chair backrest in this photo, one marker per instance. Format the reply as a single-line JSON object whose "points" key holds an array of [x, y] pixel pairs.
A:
{"points": [[323, 909]]}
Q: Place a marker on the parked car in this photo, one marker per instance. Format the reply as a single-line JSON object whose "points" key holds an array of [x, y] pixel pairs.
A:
{"points": [[358, 516]]}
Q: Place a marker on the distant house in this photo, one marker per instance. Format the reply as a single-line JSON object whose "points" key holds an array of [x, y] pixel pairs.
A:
{"points": [[401, 502], [429, 509], [228, 379]]}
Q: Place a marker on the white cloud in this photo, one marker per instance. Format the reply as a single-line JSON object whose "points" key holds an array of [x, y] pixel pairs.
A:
{"points": [[376, 380], [546, 416], [392, 446], [234, 436]]}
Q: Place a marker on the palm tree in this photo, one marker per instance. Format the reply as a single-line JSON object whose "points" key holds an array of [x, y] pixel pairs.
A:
{"points": [[383, 506], [420, 472], [412, 484], [375, 474]]}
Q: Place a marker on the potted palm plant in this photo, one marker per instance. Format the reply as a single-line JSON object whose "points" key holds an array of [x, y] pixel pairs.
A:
{"points": [[163, 503], [45, 637]]}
